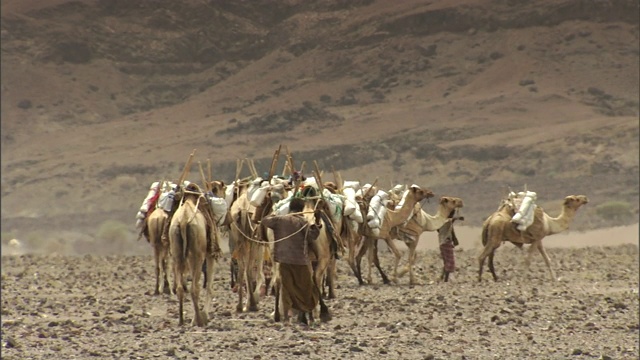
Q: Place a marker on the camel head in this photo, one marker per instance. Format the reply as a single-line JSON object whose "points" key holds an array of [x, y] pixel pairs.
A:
{"points": [[575, 201], [218, 188], [192, 191], [451, 203], [331, 186], [419, 193]]}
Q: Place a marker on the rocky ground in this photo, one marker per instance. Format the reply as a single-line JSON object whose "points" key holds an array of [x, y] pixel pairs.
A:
{"points": [[101, 306]]}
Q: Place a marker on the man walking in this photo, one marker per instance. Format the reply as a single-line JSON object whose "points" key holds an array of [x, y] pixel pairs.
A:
{"points": [[448, 240], [293, 239]]}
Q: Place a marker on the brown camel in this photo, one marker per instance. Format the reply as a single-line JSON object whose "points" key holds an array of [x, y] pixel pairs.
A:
{"points": [[498, 228], [248, 252], [420, 222], [155, 226], [393, 218], [189, 248]]}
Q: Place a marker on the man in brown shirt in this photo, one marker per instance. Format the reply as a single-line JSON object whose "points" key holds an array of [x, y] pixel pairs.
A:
{"points": [[293, 239]]}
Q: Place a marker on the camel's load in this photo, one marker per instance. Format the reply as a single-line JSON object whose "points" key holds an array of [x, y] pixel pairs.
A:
{"points": [[258, 191], [165, 200], [149, 202], [310, 181], [363, 190], [349, 189], [282, 206], [335, 204], [377, 210], [398, 191], [219, 207], [228, 192], [524, 202]]}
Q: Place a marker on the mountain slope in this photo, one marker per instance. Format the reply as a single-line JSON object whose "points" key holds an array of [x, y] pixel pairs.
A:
{"points": [[466, 97]]}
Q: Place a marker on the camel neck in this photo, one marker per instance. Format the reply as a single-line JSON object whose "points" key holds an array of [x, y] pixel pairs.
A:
{"points": [[434, 222], [561, 222]]}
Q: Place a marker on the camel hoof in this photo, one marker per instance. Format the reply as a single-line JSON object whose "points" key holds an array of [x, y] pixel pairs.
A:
{"points": [[239, 309], [325, 316], [252, 308]]}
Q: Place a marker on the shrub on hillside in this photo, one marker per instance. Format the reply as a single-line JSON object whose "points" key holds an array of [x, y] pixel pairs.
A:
{"points": [[614, 210], [113, 232]]}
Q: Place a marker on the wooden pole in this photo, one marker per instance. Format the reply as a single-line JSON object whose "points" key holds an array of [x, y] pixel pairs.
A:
{"points": [[204, 179], [187, 168]]}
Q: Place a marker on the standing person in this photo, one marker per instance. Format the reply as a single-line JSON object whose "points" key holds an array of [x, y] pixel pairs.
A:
{"points": [[448, 240], [294, 236]]}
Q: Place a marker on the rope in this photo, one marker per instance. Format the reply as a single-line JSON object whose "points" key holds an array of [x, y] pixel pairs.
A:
{"points": [[250, 238], [195, 212]]}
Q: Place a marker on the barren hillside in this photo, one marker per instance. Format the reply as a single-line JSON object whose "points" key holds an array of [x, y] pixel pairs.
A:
{"points": [[466, 97]]}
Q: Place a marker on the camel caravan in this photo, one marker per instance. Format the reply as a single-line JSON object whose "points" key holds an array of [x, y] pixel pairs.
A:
{"points": [[287, 231]]}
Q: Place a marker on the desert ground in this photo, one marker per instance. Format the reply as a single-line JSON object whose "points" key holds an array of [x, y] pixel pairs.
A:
{"points": [[95, 306], [469, 98]]}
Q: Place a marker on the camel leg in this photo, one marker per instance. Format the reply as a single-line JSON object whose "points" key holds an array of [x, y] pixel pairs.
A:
{"points": [[547, 260], [372, 251], [397, 256], [351, 258], [491, 267], [233, 267], [485, 252], [196, 269], [488, 251], [209, 288], [204, 274], [376, 262], [527, 260], [358, 272], [360, 250], [276, 313], [406, 268], [325, 315], [156, 256], [413, 255], [240, 280], [332, 276], [166, 288], [177, 276], [254, 271]]}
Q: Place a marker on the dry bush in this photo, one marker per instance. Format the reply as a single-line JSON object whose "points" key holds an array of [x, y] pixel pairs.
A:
{"points": [[614, 210]]}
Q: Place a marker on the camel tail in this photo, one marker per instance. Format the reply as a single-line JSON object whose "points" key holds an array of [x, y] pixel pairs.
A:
{"points": [[485, 235], [183, 225]]}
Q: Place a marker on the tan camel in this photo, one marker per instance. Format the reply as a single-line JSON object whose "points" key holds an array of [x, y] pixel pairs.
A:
{"points": [[410, 231], [498, 228], [155, 226], [248, 252], [393, 218], [358, 245], [189, 248]]}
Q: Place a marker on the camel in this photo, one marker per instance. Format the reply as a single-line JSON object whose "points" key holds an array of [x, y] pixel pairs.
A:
{"points": [[248, 251], [420, 222], [498, 228], [358, 245], [393, 218], [190, 249], [155, 225]]}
